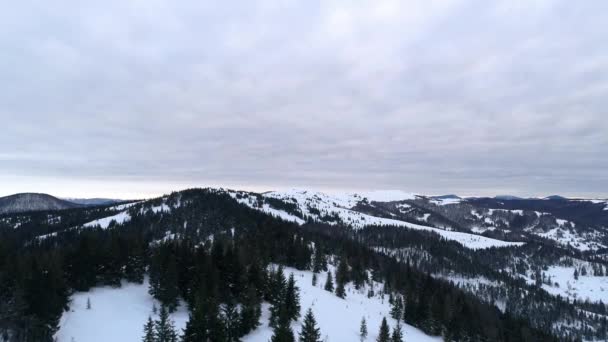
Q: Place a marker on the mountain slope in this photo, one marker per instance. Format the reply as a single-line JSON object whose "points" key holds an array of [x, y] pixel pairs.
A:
{"points": [[33, 202]]}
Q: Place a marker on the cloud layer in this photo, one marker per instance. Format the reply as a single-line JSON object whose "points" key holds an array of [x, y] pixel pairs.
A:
{"points": [[138, 97]]}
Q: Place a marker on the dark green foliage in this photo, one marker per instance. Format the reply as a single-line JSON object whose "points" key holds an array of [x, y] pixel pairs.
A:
{"points": [[397, 308], [164, 331], [329, 283], [164, 276], [384, 334], [282, 331], [292, 299], [397, 335], [310, 332], [363, 330], [149, 331], [341, 278]]}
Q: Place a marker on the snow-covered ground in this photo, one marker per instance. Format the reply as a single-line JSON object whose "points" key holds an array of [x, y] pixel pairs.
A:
{"points": [[104, 223], [118, 314], [583, 242], [317, 205], [586, 287]]}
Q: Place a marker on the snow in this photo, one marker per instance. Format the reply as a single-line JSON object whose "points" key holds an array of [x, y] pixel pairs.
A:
{"points": [[586, 287], [425, 217], [161, 208], [104, 223], [445, 201], [340, 206], [118, 314], [338, 318], [387, 195], [252, 202], [583, 241], [124, 206]]}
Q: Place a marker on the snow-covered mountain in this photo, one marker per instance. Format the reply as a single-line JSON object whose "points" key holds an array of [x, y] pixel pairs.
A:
{"points": [[93, 201], [546, 252], [33, 202]]}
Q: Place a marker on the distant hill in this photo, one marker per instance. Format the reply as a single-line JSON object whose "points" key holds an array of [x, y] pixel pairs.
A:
{"points": [[93, 201], [556, 198], [507, 198], [33, 202]]}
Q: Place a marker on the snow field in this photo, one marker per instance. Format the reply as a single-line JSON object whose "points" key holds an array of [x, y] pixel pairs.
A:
{"points": [[119, 314]]}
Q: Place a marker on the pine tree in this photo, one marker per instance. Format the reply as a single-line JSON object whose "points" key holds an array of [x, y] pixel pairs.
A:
{"points": [[314, 279], [329, 283], [251, 311], [88, 303], [363, 330], [149, 331], [340, 292], [397, 309], [320, 263], [292, 299], [341, 278], [231, 321], [310, 332], [384, 334], [397, 334], [283, 332], [164, 329]]}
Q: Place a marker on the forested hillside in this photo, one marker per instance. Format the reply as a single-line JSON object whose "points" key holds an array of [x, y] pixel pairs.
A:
{"points": [[222, 259]]}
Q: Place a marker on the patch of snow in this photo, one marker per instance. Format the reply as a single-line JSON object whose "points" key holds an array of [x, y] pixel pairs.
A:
{"points": [[105, 222], [582, 242], [446, 201], [586, 287], [116, 314]]}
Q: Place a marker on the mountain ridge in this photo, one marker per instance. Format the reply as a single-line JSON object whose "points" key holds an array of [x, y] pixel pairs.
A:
{"points": [[31, 201]]}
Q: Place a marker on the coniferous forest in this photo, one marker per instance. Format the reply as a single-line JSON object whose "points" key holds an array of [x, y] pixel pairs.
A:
{"points": [[224, 260]]}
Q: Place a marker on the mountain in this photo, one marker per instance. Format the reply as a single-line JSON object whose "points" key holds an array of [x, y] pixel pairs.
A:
{"points": [[556, 198], [452, 268], [93, 201], [507, 197], [33, 202]]}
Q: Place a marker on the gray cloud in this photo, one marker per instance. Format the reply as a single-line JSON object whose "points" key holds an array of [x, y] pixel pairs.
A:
{"points": [[141, 97]]}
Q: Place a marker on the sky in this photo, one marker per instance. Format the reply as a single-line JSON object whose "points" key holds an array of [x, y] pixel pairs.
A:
{"points": [[129, 99]]}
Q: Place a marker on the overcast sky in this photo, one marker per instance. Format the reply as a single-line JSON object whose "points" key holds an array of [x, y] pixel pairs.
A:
{"points": [[138, 98]]}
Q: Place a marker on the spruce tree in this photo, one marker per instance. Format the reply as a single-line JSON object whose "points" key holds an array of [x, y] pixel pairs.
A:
{"points": [[251, 310], [340, 292], [341, 278], [314, 279], [292, 299], [397, 334], [329, 283], [230, 316], [320, 263], [397, 308], [163, 327], [310, 332], [196, 328], [363, 330], [384, 334], [282, 331], [149, 331]]}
